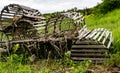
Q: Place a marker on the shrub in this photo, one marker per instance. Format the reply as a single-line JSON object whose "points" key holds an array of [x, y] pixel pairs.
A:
{"points": [[114, 60], [106, 6]]}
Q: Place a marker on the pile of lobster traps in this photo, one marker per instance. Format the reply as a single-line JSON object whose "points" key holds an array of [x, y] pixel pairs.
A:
{"points": [[52, 36]]}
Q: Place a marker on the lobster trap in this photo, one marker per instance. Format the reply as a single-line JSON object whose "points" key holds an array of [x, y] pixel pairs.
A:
{"points": [[50, 36]]}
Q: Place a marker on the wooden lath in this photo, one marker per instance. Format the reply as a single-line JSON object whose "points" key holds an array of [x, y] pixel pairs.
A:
{"points": [[54, 23], [92, 45], [100, 35], [15, 11]]}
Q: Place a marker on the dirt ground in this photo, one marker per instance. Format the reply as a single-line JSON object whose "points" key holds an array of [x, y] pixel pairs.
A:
{"points": [[103, 69]]}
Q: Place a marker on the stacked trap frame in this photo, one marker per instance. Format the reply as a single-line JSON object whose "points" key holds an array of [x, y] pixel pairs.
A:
{"points": [[92, 45]]}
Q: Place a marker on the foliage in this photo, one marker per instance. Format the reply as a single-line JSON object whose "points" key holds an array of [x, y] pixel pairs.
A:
{"points": [[43, 66], [114, 60], [16, 47], [67, 61], [109, 21], [81, 67], [106, 6]]}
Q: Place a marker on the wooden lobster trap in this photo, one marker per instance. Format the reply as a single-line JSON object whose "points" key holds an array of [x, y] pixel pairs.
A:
{"points": [[92, 45], [53, 35], [27, 27]]}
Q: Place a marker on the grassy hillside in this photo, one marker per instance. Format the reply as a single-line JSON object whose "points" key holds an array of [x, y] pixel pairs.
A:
{"points": [[110, 21]]}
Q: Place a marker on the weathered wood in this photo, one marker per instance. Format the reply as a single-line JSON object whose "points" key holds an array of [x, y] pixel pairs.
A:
{"points": [[88, 55], [39, 28], [39, 25], [34, 28], [6, 17], [9, 15], [89, 50], [89, 46], [82, 29], [40, 22], [94, 62], [94, 33], [93, 59], [101, 35], [110, 42], [87, 42], [56, 48], [97, 35], [9, 12], [106, 36], [86, 34]]}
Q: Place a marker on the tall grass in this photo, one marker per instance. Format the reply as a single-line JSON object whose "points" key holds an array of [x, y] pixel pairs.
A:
{"points": [[110, 21], [43, 66]]}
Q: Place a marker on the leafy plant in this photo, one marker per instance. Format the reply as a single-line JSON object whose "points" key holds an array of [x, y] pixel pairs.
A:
{"points": [[106, 6], [114, 60], [67, 61], [81, 67]]}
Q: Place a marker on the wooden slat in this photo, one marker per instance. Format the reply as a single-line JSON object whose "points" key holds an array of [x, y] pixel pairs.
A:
{"points": [[90, 50], [106, 36], [94, 62], [88, 55], [79, 58], [94, 33], [75, 18], [89, 46], [41, 22], [84, 35], [87, 37], [40, 28], [82, 29], [39, 25], [103, 33], [82, 32], [97, 35], [110, 42], [87, 42], [37, 17], [79, 21], [6, 17], [9, 12]]}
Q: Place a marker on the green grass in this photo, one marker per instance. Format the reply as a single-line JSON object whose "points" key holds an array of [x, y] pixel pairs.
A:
{"points": [[110, 21], [13, 65]]}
